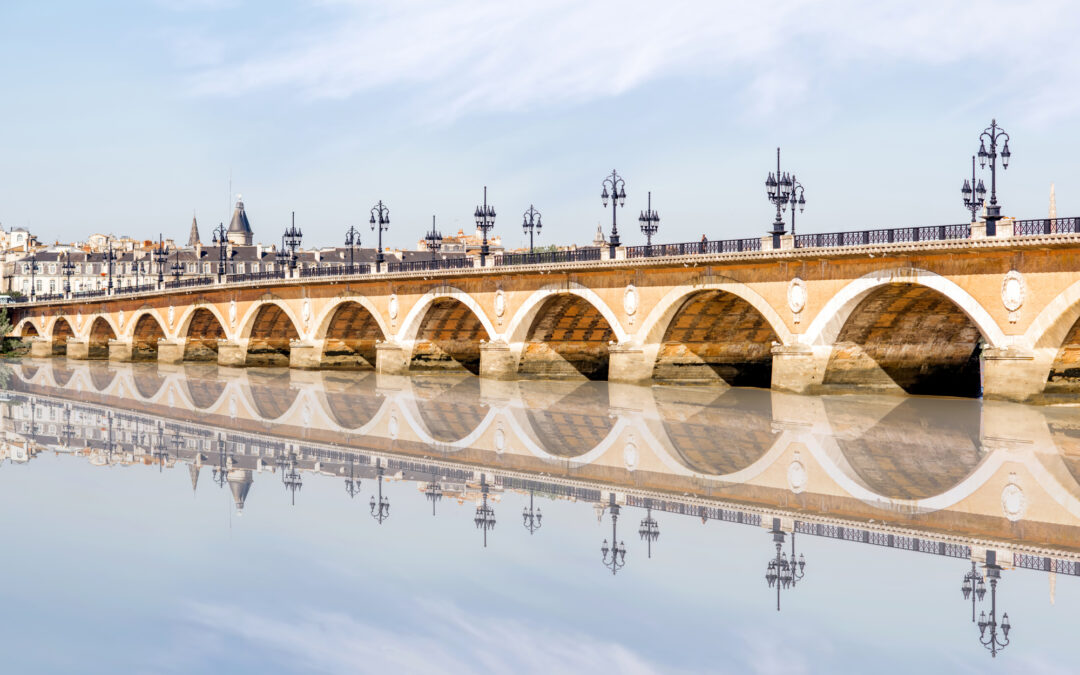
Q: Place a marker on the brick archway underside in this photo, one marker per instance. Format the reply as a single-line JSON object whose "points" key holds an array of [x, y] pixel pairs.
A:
{"points": [[100, 334], [448, 339], [60, 333], [1064, 375], [270, 336], [350, 338], [717, 336], [568, 339], [144, 340], [204, 331], [908, 337]]}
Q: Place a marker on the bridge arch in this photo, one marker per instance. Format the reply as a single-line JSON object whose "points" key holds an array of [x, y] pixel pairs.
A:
{"points": [[723, 330], [59, 334], [444, 330], [564, 332], [907, 329], [269, 327], [201, 326], [26, 328], [146, 330], [349, 330], [99, 332], [1054, 336]]}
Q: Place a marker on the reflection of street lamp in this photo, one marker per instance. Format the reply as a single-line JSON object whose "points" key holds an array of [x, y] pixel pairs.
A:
{"points": [[485, 515], [293, 480], [380, 510], [990, 640], [649, 529], [160, 453], [973, 587], [532, 518], [782, 571], [617, 550], [352, 483], [433, 493], [221, 471]]}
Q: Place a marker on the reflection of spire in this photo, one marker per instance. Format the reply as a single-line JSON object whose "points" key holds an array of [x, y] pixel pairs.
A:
{"points": [[1053, 586], [240, 483], [194, 469]]}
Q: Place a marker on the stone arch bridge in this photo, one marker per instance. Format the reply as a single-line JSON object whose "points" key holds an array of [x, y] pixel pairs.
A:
{"points": [[998, 317]]}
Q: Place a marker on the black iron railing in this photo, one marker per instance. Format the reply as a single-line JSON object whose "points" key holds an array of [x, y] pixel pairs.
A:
{"points": [[188, 283], [695, 248], [88, 294], [896, 235], [1026, 228], [254, 276], [549, 257], [425, 265], [122, 290], [49, 296], [335, 270]]}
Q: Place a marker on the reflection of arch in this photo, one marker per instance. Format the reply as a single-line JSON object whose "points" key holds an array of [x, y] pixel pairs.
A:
{"points": [[147, 381], [450, 410], [145, 336], [718, 437], [350, 331], [61, 331], [715, 334], [907, 335], [568, 336], [269, 332], [574, 424], [61, 376], [101, 331], [448, 336], [202, 329], [271, 394], [351, 404], [101, 376], [204, 393]]}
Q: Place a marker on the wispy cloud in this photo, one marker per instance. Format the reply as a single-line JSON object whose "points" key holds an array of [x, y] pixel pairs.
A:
{"points": [[464, 56]]}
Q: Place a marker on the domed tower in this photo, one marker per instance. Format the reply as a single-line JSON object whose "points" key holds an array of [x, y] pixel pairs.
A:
{"points": [[240, 233]]}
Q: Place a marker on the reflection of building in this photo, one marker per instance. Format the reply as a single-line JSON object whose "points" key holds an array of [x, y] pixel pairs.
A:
{"points": [[240, 484]]}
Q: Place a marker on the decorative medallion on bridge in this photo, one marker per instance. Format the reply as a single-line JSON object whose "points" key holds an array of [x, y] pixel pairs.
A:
{"points": [[630, 455], [500, 304], [120, 319], [172, 315], [393, 308], [305, 312], [500, 439], [232, 314], [305, 416], [232, 407], [1013, 291], [1013, 501], [78, 319], [172, 399], [796, 298], [630, 302], [796, 475], [392, 427]]}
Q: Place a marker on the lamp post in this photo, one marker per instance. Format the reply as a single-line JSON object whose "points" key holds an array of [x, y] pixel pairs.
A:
{"points": [[292, 238], [68, 268], [778, 188], [990, 639], [485, 221], [973, 587], [380, 510], [352, 483], [650, 223], [649, 529], [485, 515], [221, 239], [352, 240], [993, 134], [177, 267], [160, 452], [292, 479], [33, 274], [434, 238], [781, 571], [618, 198], [110, 261], [221, 471], [797, 198], [433, 493], [974, 193], [161, 254], [532, 517], [380, 219], [531, 222], [617, 559]]}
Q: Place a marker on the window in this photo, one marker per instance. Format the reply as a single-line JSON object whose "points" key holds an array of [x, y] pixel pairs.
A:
{"points": [[52, 285], [254, 267], [192, 268], [52, 268], [269, 267], [206, 268], [26, 268], [37, 285], [78, 268], [240, 268]]}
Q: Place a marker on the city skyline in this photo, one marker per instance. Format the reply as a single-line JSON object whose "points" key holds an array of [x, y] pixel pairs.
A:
{"points": [[325, 108]]}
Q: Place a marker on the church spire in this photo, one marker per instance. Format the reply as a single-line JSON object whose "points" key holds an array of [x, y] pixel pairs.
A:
{"points": [[1053, 203], [193, 238]]}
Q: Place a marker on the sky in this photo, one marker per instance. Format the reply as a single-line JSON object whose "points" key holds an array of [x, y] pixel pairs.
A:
{"points": [[128, 117]]}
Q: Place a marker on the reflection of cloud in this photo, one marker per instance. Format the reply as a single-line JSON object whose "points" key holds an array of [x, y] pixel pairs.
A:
{"points": [[449, 641], [461, 56]]}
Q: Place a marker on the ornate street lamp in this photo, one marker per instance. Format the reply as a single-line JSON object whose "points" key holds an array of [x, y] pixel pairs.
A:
{"points": [[160, 453], [974, 193], [32, 258], [650, 223], [352, 483], [177, 267], [990, 639], [380, 219], [110, 260], [618, 198], [993, 134], [291, 239], [783, 572], [649, 529], [221, 471], [352, 240], [779, 189], [68, 268], [797, 198], [380, 510], [292, 478], [531, 222], [973, 587], [434, 238], [617, 559], [433, 493], [221, 239], [485, 515], [485, 221], [161, 255], [532, 517]]}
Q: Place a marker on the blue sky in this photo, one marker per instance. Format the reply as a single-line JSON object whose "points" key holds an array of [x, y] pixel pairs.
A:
{"points": [[128, 116]]}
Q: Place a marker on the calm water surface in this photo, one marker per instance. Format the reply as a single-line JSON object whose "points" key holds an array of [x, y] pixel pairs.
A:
{"points": [[191, 519]]}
